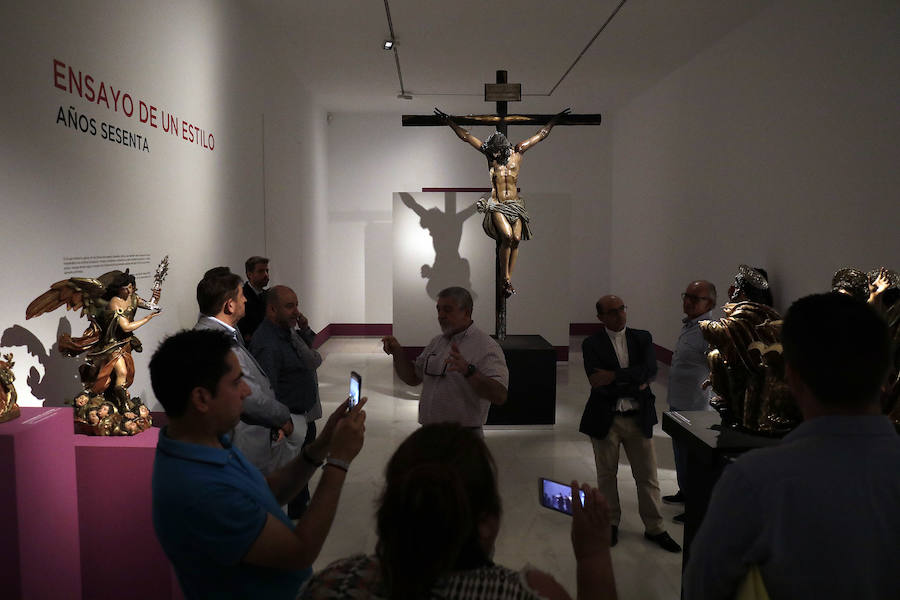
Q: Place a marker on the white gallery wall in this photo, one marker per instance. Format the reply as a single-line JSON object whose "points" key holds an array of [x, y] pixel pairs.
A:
{"points": [[370, 156], [72, 199], [776, 147]]}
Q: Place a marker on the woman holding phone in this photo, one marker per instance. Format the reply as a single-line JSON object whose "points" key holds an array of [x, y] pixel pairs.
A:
{"points": [[438, 518]]}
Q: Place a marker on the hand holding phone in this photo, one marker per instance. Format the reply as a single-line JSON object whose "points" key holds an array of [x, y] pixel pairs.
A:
{"points": [[556, 495], [355, 387]]}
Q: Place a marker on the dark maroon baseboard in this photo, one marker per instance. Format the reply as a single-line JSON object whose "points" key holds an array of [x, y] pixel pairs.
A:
{"points": [[351, 330], [663, 355]]}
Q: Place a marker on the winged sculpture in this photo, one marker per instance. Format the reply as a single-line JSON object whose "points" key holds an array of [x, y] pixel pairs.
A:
{"points": [[110, 303]]}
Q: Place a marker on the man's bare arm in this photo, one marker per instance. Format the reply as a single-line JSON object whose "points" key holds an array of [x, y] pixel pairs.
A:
{"points": [[404, 367], [542, 133], [486, 387], [277, 545], [289, 480], [460, 132]]}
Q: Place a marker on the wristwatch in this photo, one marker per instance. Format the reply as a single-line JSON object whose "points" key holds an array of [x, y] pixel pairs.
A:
{"points": [[470, 370]]}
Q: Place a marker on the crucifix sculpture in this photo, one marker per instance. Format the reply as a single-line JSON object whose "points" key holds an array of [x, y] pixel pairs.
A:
{"points": [[506, 219]]}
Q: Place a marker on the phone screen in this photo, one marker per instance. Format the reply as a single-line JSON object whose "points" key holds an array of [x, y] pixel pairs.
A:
{"points": [[556, 495], [355, 385]]}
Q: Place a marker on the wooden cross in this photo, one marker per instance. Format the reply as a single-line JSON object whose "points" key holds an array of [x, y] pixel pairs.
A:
{"points": [[502, 93]]}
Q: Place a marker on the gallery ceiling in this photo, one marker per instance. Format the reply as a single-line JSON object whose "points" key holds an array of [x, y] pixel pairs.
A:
{"points": [[448, 49]]}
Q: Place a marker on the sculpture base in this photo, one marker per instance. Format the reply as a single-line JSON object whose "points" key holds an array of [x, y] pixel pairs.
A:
{"points": [[531, 398], [111, 429], [710, 447], [98, 416]]}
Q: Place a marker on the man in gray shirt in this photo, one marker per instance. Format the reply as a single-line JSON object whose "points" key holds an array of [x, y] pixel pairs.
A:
{"points": [[819, 514], [463, 370], [688, 371], [283, 346]]}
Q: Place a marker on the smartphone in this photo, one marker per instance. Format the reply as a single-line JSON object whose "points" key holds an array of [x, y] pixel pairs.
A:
{"points": [[556, 495], [355, 386]]}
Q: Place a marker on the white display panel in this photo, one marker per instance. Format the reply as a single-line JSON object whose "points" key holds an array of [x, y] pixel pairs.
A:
{"points": [[438, 241]]}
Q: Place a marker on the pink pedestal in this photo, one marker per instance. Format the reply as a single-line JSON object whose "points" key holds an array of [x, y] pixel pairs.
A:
{"points": [[39, 506], [120, 556]]}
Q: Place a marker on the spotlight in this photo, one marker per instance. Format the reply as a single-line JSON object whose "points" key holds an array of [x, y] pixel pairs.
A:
{"points": [[388, 44]]}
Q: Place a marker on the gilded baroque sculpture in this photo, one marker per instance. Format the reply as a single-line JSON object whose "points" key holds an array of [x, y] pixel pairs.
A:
{"points": [[881, 289], [745, 358], [110, 302], [9, 410], [746, 370]]}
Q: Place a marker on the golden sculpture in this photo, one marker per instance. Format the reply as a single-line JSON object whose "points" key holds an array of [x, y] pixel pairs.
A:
{"points": [[505, 217], [746, 370], [104, 407], [881, 289], [9, 410], [746, 365]]}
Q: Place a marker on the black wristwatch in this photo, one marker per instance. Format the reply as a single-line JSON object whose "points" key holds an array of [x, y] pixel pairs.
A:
{"points": [[470, 370]]}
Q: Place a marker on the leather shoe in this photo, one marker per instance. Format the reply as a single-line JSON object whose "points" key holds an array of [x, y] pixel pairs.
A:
{"points": [[664, 541], [674, 498], [679, 519], [614, 538]]}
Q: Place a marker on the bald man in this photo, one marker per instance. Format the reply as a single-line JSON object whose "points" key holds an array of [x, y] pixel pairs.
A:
{"points": [[283, 346], [689, 370], [620, 363]]}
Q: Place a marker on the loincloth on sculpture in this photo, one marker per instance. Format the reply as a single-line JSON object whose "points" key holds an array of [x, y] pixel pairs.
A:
{"points": [[512, 210]]}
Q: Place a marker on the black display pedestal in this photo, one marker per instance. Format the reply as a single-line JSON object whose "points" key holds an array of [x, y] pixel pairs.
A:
{"points": [[531, 398], [710, 450]]}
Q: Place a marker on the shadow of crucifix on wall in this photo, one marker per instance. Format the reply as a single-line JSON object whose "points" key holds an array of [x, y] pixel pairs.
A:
{"points": [[445, 227]]}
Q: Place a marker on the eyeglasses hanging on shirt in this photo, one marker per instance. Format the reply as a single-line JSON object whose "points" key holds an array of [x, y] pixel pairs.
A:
{"points": [[434, 366]]}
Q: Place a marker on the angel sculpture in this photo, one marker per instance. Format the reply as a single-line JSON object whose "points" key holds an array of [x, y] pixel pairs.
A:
{"points": [[110, 302], [746, 370], [9, 410]]}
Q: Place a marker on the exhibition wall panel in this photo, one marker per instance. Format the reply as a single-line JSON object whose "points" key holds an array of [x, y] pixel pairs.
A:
{"points": [[775, 147], [439, 242], [130, 131]]}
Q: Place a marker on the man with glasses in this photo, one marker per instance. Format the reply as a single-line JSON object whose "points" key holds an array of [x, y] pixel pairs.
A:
{"points": [[688, 371], [463, 370], [620, 363]]}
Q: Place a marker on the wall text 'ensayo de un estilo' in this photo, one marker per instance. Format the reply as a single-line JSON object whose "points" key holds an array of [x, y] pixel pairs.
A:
{"points": [[96, 91]]}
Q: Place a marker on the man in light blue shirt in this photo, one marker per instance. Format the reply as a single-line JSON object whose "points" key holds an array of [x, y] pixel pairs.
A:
{"points": [[217, 518], [689, 370]]}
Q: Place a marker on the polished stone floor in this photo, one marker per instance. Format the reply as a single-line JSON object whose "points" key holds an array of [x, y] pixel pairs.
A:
{"points": [[529, 534]]}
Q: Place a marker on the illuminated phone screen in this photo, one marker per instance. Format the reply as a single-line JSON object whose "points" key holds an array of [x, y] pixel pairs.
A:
{"points": [[556, 495], [355, 384]]}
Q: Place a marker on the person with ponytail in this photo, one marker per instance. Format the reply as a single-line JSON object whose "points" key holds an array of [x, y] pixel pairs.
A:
{"points": [[437, 520]]}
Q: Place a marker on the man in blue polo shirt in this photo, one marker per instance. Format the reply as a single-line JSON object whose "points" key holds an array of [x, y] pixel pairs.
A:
{"points": [[217, 518]]}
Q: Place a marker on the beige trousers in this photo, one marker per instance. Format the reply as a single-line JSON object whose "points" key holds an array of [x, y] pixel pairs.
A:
{"points": [[625, 431]]}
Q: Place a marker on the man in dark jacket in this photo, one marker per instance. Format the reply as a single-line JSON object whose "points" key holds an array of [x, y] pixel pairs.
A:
{"points": [[257, 269], [620, 363]]}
